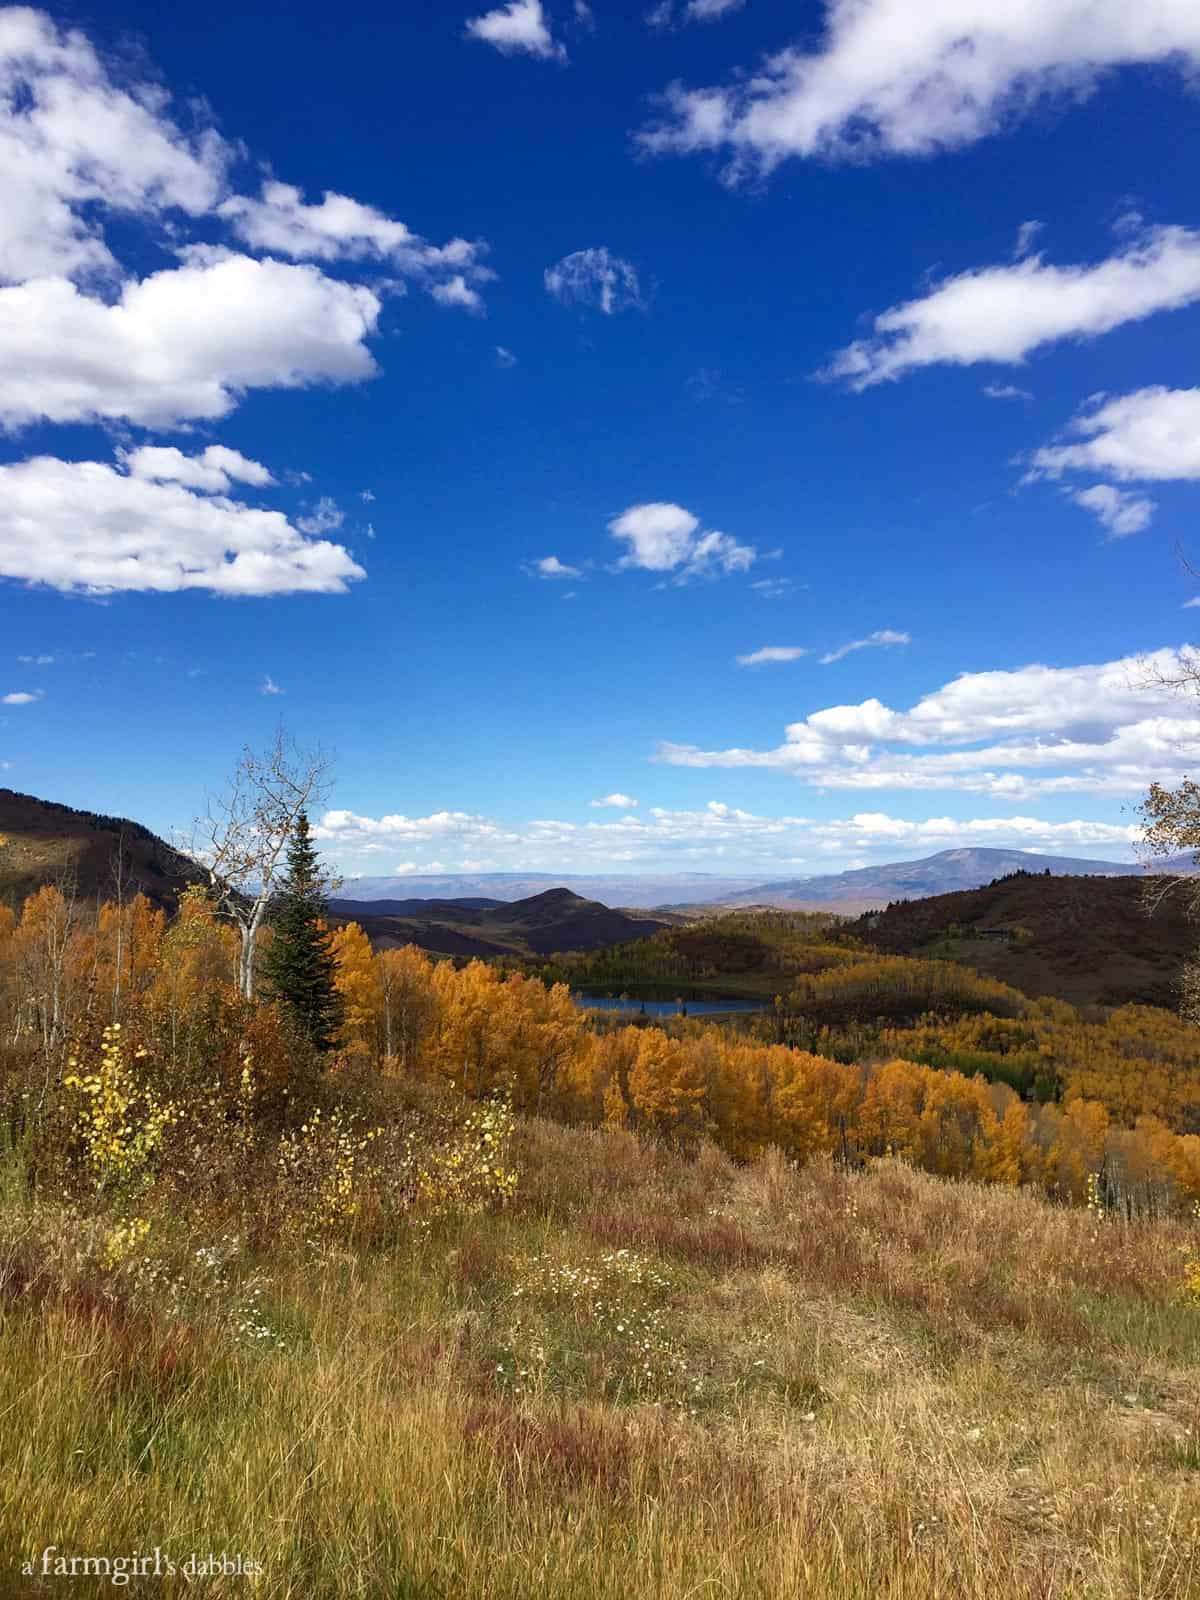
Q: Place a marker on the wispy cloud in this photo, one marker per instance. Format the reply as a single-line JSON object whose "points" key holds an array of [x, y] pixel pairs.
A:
{"points": [[880, 639], [772, 652]]}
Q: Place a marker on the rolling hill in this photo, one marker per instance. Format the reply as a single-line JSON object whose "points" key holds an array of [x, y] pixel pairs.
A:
{"points": [[42, 843], [544, 924], [1089, 940]]}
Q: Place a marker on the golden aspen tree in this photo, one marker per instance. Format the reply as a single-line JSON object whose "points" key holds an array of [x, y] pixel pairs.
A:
{"points": [[408, 1004], [356, 978]]}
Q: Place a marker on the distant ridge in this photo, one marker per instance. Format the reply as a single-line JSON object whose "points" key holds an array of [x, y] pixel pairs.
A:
{"points": [[944, 873]]}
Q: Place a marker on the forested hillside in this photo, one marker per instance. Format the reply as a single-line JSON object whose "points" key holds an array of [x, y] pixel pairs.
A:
{"points": [[1093, 941]]}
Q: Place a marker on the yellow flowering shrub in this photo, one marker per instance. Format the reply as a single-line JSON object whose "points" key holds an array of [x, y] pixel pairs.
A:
{"points": [[117, 1118], [323, 1167], [123, 1241], [467, 1170]]}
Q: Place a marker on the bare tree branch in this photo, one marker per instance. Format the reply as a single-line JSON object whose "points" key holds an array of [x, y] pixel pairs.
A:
{"points": [[241, 839]]}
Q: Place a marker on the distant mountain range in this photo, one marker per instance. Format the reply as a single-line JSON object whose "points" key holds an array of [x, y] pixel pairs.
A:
{"points": [[620, 889], [541, 925], [865, 888]]}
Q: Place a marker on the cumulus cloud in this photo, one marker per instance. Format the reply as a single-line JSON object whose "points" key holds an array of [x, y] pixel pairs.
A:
{"points": [[1100, 729], [519, 28], [597, 279], [880, 639], [74, 142], [551, 567], [373, 834], [84, 526], [456, 291], [708, 836], [1152, 435], [618, 802], [891, 78], [22, 697], [344, 229], [770, 653], [1118, 510], [84, 143], [1005, 313], [662, 537], [180, 345], [214, 470]]}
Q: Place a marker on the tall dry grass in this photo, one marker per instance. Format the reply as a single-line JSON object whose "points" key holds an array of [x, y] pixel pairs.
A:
{"points": [[875, 1385]]}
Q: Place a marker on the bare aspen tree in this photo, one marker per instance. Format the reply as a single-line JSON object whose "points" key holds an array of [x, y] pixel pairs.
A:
{"points": [[1172, 821], [242, 839]]}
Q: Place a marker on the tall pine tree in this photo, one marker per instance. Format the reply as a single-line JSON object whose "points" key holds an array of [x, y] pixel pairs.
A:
{"points": [[299, 968]]}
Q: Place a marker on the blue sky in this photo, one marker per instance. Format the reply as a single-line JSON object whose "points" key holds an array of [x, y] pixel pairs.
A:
{"points": [[487, 382]]}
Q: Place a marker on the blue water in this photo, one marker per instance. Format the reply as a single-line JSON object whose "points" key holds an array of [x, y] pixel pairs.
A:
{"points": [[665, 1008]]}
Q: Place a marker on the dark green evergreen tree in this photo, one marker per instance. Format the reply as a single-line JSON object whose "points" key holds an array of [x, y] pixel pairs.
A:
{"points": [[299, 967]]}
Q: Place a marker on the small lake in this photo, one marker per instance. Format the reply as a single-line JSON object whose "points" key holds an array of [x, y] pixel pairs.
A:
{"points": [[666, 1008]]}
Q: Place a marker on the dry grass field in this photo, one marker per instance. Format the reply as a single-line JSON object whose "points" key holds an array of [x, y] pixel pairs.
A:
{"points": [[638, 1377]]}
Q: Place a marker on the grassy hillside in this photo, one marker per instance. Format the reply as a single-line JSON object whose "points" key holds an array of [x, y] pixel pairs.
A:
{"points": [[42, 843], [640, 1378], [1091, 941]]}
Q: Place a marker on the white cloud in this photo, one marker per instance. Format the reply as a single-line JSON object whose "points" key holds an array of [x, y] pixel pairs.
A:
{"points": [[269, 686], [1100, 729], [343, 229], [595, 278], [518, 28], [711, 10], [1005, 313], [326, 517], [710, 837], [1119, 510], [180, 345], [73, 141], [773, 588], [505, 358], [1005, 391], [85, 143], [456, 291], [772, 652], [22, 697], [347, 829], [213, 470], [1151, 435], [664, 14], [881, 638], [82, 525], [619, 802], [552, 567], [37, 661], [894, 78], [662, 537]]}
